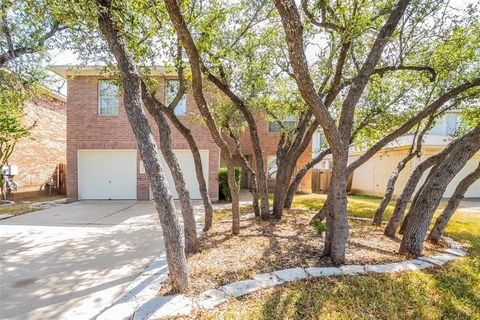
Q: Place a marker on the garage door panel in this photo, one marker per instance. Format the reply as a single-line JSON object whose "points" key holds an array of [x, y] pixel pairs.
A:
{"points": [[187, 164], [107, 174]]}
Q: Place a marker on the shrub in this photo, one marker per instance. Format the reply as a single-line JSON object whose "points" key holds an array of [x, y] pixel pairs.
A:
{"points": [[319, 226], [223, 181]]}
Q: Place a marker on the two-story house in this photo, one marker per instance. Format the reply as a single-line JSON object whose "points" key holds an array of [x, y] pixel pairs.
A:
{"points": [[102, 157], [372, 177]]}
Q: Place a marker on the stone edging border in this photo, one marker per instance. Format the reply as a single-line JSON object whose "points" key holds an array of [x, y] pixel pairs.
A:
{"points": [[143, 303]]}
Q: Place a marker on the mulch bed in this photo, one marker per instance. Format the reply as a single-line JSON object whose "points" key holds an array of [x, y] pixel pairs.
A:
{"points": [[266, 246]]}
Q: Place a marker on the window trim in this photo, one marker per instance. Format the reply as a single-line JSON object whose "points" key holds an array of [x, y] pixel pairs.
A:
{"points": [[99, 98], [271, 157], [291, 118], [184, 97]]}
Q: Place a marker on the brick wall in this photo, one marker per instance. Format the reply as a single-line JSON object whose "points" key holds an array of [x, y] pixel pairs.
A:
{"points": [[38, 155], [88, 130], [269, 142]]}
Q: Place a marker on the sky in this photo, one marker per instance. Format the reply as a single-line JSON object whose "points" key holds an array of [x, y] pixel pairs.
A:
{"points": [[66, 57]]}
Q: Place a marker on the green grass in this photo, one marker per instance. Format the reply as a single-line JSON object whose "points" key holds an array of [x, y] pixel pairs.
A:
{"points": [[449, 292], [21, 207]]}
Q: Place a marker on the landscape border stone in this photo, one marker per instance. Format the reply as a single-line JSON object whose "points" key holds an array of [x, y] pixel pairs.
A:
{"points": [[143, 303]]}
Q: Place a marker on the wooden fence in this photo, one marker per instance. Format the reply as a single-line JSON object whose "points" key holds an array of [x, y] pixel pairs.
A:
{"points": [[321, 180], [60, 177]]}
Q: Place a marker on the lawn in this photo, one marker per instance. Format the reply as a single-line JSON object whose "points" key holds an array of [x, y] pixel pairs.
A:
{"points": [[24, 205], [449, 292]]}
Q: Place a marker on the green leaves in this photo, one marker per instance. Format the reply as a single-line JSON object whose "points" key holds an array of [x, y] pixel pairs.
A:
{"points": [[14, 93]]}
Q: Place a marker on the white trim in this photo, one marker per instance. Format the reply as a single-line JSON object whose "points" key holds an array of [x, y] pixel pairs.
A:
{"points": [[98, 98]]}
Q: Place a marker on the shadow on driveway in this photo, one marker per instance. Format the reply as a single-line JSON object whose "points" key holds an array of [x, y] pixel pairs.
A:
{"points": [[72, 261]]}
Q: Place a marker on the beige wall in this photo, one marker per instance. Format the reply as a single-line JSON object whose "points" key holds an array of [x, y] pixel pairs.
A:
{"points": [[372, 177]]}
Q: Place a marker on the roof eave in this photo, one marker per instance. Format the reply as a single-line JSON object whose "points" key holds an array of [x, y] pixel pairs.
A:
{"points": [[66, 71]]}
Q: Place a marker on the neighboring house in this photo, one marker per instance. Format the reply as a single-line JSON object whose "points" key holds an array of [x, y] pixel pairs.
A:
{"points": [[102, 157], [38, 155], [372, 177]]}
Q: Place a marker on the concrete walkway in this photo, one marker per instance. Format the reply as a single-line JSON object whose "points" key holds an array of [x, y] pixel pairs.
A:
{"points": [[72, 261]]}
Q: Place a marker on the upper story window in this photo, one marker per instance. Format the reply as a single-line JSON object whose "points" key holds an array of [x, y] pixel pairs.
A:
{"points": [[447, 125], [288, 122], [107, 97], [452, 123], [171, 89]]}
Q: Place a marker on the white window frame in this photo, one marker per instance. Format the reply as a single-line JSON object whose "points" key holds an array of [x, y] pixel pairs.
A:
{"points": [[272, 159], [100, 98], [291, 118], [181, 107]]}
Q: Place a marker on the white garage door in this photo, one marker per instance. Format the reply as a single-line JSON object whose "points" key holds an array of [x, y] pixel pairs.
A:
{"points": [[474, 190], [185, 160], [107, 174]]}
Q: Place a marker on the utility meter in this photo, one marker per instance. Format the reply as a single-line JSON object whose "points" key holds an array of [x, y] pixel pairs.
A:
{"points": [[10, 170]]}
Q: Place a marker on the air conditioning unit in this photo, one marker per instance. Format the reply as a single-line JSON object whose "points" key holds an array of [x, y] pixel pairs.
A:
{"points": [[10, 170]]}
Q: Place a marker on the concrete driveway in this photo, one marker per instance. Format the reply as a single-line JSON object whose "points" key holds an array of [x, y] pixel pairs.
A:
{"points": [[72, 261], [470, 204]]}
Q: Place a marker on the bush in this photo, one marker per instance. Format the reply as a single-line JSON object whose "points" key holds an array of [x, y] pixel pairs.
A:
{"points": [[223, 181], [319, 226]]}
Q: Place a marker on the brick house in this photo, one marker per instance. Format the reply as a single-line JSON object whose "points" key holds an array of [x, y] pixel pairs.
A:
{"points": [[102, 157], [38, 155]]}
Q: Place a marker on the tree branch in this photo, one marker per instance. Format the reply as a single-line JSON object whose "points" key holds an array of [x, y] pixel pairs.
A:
{"points": [[433, 107], [322, 23], [13, 53]]}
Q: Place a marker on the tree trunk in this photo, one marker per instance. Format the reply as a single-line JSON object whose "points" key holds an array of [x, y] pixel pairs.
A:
{"points": [[408, 190], [299, 176], [284, 174], [190, 227], [202, 185], [188, 43], [453, 202], [377, 220], [326, 213], [261, 178], [256, 207], [338, 185], [433, 189], [261, 188], [189, 224], [172, 229], [235, 199], [417, 144], [246, 166]]}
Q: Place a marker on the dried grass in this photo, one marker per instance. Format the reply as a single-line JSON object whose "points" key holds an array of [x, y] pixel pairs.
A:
{"points": [[265, 246]]}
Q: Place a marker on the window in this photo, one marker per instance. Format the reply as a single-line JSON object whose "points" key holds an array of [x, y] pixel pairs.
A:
{"points": [[288, 122], [452, 122], [271, 167], [107, 97], [318, 142], [447, 125], [171, 89]]}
